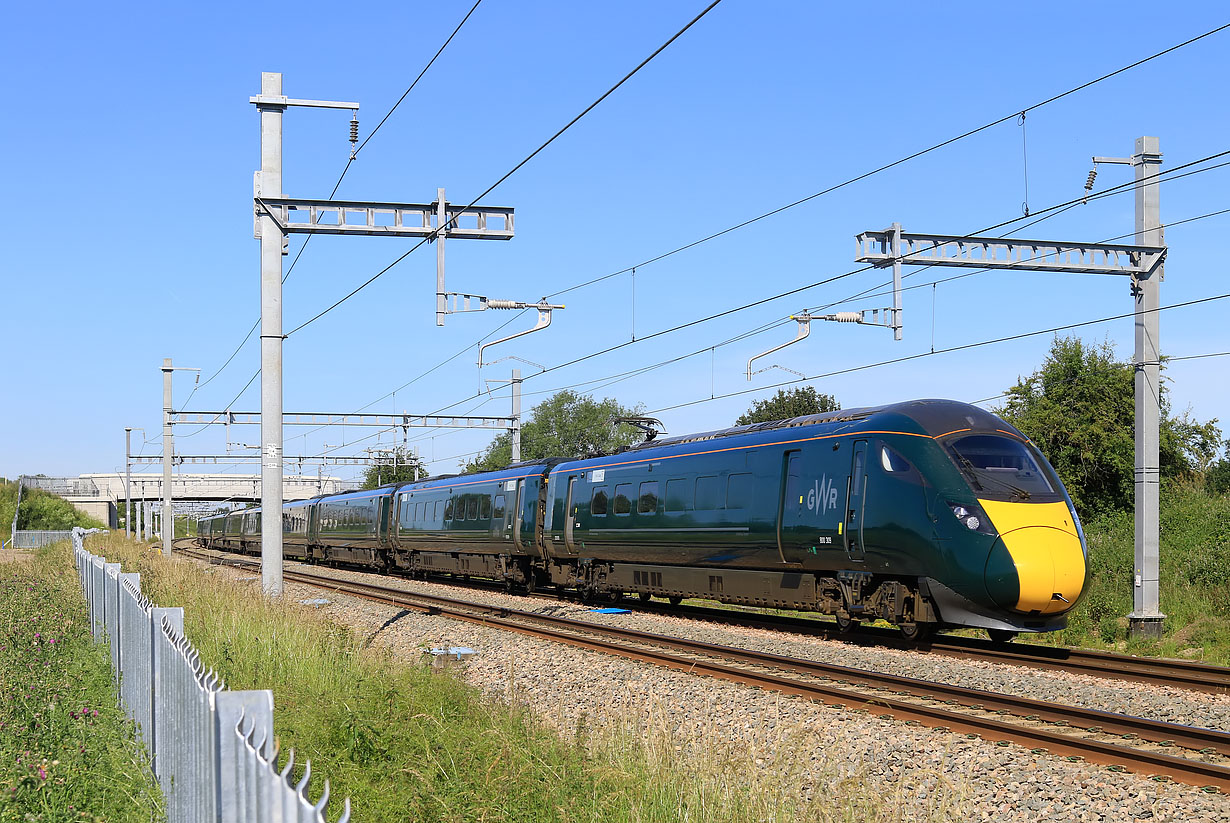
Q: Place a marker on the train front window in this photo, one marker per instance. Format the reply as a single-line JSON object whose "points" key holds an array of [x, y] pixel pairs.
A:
{"points": [[1001, 466]]}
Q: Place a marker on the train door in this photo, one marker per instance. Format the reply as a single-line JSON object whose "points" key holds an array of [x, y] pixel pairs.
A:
{"points": [[856, 501], [790, 507], [570, 516]]}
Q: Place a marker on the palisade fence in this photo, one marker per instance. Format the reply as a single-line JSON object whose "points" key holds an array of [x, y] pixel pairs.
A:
{"points": [[212, 749]]}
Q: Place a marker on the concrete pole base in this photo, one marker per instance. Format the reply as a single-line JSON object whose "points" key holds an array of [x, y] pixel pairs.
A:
{"points": [[1145, 627]]}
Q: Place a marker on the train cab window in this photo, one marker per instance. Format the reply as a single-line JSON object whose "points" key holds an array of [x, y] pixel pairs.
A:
{"points": [[893, 462], [623, 504], [710, 493], [1000, 465], [647, 501], [738, 490], [472, 508], [498, 514], [597, 506], [448, 509], [484, 507], [679, 495]]}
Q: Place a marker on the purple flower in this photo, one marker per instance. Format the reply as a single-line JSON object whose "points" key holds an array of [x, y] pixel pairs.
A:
{"points": [[42, 773]]}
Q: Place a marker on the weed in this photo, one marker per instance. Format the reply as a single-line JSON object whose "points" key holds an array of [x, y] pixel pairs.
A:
{"points": [[67, 752]]}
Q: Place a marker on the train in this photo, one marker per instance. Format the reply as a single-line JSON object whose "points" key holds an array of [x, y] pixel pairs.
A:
{"points": [[927, 514]]}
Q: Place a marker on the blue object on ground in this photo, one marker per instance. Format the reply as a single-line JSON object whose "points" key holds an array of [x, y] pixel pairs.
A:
{"points": [[611, 610]]}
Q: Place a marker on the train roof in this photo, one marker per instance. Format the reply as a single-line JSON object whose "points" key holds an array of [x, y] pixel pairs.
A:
{"points": [[933, 416]]}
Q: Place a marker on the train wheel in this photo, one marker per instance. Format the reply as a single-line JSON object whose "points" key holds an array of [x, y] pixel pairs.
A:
{"points": [[675, 599], [1001, 635], [845, 623], [917, 632], [645, 597]]}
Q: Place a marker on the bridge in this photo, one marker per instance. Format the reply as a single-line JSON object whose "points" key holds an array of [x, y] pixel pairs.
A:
{"points": [[99, 495]]}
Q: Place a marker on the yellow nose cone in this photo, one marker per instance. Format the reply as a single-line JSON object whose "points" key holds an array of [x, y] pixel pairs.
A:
{"points": [[1045, 552]]}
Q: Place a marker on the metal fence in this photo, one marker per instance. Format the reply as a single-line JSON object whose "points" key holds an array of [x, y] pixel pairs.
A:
{"points": [[212, 749], [23, 539], [63, 486]]}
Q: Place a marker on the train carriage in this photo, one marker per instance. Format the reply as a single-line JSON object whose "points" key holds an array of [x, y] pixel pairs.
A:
{"points": [[925, 513], [352, 527]]}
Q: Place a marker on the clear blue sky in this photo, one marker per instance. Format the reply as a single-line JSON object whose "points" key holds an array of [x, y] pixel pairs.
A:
{"points": [[130, 146]]}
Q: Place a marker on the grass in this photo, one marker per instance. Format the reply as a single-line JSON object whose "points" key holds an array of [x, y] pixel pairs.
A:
{"points": [[67, 752], [1194, 580], [410, 743]]}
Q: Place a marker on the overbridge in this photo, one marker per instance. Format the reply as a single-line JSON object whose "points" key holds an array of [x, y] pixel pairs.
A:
{"points": [[99, 495]]}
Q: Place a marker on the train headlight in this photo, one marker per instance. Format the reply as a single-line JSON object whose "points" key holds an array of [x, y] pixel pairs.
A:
{"points": [[972, 517]]}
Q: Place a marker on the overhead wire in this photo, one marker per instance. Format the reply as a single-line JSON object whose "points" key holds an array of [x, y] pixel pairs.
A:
{"points": [[948, 350], [510, 172], [307, 238], [603, 382], [1037, 216], [885, 167], [748, 222]]}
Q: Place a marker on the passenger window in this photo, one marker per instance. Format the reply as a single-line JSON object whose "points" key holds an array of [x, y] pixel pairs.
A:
{"points": [[597, 506], [472, 508], [893, 462], [499, 507], [623, 505], [448, 509], [484, 512], [679, 495], [738, 490], [647, 502], [710, 493]]}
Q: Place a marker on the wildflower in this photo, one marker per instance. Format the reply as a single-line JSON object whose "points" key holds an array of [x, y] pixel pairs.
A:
{"points": [[42, 773]]}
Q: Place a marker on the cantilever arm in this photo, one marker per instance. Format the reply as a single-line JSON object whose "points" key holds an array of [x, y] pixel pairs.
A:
{"points": [[804, 321], [544, 320]]}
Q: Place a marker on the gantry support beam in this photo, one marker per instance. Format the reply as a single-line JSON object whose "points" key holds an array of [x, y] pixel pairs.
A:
{"points": [[299, 216], [1005, 253], [386, 421], [325, 459]]}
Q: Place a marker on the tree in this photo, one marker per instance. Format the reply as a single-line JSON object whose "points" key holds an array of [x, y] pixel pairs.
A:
{"points": [[789, 403], [397, 465], [1079, 408], [566, 424]]}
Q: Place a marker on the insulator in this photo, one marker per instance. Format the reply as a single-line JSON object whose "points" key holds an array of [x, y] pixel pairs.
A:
{"points": [[847, 317], [1093, 174], [354, 130], [503, 304]]}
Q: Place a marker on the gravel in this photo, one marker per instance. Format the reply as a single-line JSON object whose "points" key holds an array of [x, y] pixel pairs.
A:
{"points": [[813, 746]]}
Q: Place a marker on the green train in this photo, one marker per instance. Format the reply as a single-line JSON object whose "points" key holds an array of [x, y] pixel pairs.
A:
{"points": [[926, 514]]}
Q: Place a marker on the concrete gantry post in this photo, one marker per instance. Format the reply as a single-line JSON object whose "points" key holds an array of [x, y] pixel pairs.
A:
{"points": [[128, 481], [271, 337], [516, 415], [168, 455], [1146, 618]]}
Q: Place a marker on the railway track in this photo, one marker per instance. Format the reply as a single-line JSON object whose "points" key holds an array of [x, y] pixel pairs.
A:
{"points": [[1185, 674], [1191, 755]]}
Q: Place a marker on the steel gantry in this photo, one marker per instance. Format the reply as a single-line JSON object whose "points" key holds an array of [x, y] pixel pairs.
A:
{"points": [[1143, 263], [277, 216]]}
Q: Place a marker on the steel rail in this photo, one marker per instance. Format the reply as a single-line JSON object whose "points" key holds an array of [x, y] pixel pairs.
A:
{"points": [[1185, 674], [657, 649]]}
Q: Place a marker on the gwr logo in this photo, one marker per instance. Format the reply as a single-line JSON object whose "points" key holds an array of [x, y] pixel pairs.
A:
{"points": [[822, 496]]}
